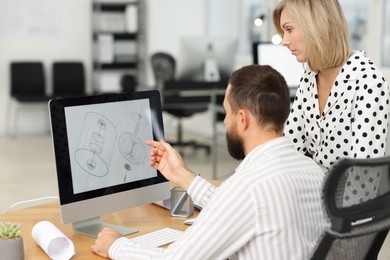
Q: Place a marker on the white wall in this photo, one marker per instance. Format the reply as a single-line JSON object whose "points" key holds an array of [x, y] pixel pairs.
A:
{"points": [[166, 22], [70, 40]]}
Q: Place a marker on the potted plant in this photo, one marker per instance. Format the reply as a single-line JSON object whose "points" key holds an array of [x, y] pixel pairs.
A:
{"points": [[11, 241]]}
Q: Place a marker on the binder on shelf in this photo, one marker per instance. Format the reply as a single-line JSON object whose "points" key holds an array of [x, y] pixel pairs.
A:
{"points": [[105, 48], [132, 18]]}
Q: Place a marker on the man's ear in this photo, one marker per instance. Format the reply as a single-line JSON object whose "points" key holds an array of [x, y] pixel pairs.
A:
{"points": [[243, 119]]}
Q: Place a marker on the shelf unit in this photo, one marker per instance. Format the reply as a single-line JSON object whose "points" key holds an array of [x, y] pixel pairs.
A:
{"points": [[118, 40]]}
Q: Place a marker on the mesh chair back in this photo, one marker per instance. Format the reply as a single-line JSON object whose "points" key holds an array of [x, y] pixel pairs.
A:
{"points": [[356, 197], [164, 66]]}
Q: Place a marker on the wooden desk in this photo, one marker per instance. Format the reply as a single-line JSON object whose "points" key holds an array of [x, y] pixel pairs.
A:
{"points": [[146, 219]]}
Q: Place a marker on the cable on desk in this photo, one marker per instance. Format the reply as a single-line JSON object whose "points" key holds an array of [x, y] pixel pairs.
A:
{"points": [[29, 201]]}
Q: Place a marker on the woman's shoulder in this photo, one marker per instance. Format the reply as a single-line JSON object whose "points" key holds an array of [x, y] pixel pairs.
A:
{"points": [[363, 67], [360, 59]]}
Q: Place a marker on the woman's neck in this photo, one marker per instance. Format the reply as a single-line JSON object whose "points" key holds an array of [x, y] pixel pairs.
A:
{"points": [[325, 81]]}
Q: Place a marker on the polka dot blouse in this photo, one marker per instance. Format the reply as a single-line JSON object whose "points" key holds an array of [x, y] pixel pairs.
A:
{"points": [[355, 120]]}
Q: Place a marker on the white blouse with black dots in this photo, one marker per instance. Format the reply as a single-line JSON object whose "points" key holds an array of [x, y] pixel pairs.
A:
{"points": [[355, 119]]}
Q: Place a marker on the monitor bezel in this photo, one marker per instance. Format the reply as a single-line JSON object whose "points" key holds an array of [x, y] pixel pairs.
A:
{"points": [[61, 146]]}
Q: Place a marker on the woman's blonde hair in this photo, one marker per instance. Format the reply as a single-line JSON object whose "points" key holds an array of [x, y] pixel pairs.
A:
{"points": [[323, 28]]}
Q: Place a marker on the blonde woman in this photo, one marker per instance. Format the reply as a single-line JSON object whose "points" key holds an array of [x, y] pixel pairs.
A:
{"points": [[341, 108]]}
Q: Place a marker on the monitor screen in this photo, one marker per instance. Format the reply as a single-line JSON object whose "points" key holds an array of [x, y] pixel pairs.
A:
{"points": [[102, 160], [206, 58], [280, 58]]}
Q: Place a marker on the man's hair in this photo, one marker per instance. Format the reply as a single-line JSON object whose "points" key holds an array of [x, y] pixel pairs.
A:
{"points": [[323, 28], [263, 91]]}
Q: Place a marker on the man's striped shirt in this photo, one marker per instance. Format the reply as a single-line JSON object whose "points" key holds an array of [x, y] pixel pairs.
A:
{"points": [[270, 208]]}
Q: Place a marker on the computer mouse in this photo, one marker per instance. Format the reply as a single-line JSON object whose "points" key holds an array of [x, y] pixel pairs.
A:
{"points": [[189, 221]]}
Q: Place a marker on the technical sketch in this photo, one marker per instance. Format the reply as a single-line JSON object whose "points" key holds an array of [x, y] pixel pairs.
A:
{"points": [[95, 159], [98, 157], [131, 147]]}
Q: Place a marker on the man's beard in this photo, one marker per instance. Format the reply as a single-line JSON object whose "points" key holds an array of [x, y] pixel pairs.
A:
{"points": [[235, 145]]}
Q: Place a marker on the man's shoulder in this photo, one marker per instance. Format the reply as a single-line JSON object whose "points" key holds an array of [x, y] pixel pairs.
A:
{"points": [[284, 166], [276, 157]]}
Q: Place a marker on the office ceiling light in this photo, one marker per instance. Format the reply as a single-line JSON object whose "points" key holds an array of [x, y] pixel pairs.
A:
{"points": [[276, 39], [259, 20]]}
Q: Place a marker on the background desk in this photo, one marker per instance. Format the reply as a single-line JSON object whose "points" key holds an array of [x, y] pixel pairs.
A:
{"points": [[146, 219]]}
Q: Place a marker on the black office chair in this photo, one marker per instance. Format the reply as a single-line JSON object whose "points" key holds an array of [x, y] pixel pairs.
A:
{"points": [[68, 79], [356, 196], [164, 66], [27, 85], [128, 83]]}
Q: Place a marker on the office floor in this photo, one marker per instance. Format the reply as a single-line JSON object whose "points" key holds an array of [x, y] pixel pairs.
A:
{"points": [[27, 170]]}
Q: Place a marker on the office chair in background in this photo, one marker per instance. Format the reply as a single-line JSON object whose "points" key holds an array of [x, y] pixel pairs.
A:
{"points": [[27, 86], [356, 196], [164, 66], [128, 83], [68, 79]]}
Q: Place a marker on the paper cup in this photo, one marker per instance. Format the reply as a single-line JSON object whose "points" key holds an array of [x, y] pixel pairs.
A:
{"points": [[55, 244]]}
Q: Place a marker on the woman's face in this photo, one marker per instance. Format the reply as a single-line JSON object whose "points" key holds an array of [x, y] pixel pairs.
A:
{"points": [[292, 37]]}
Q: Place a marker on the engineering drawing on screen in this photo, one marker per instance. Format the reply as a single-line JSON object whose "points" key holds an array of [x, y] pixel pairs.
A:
{"points": [[108, 144], [91, 159], [131, 146]]}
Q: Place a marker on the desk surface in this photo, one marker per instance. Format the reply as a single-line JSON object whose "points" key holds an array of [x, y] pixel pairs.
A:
{"points": [[146, 219]]}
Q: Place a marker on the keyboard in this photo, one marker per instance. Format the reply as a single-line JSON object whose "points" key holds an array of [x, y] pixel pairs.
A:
{"points": [[158, 238]]}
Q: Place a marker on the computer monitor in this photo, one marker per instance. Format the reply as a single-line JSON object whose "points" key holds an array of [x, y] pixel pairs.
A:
{"points": [[208, 59], [280, 58], [102, 161]]}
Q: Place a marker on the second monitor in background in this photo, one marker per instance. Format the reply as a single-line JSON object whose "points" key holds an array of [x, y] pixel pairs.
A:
{"points": [[206, 58], [280, 58]]}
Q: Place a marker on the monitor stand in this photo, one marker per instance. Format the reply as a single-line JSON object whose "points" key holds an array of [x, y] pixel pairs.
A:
{"points": [[91, 227], [211, 70]]}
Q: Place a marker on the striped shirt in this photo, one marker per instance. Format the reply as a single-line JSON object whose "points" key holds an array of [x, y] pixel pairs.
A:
{"points": [[270, 208]]}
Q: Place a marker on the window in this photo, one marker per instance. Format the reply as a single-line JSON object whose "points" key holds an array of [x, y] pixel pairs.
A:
{"points": [[385, 48], [356, 14]]}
